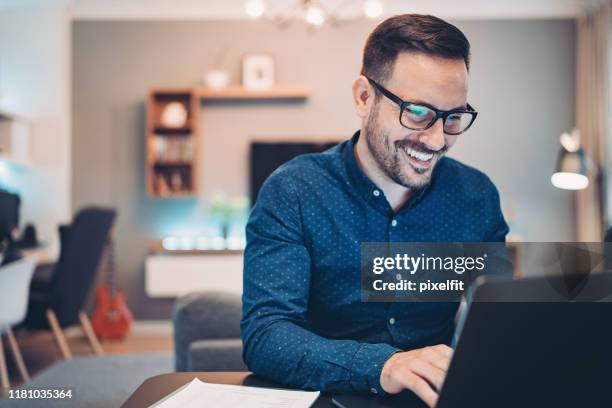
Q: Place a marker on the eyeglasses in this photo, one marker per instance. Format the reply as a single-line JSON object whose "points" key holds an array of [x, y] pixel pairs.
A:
{"points": [[416, 116]]}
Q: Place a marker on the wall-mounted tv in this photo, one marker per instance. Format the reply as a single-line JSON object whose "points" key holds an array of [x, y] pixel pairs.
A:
{"points": [[265, 157]]}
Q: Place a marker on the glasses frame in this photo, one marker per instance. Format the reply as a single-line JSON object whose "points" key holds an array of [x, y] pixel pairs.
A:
{"points": [[439, 113]]}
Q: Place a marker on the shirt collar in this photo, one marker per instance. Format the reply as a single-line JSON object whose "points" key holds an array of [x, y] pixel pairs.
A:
{"points": [[366, 188]]}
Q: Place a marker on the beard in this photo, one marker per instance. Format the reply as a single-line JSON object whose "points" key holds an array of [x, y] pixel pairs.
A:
{"points": [[391, 158]]}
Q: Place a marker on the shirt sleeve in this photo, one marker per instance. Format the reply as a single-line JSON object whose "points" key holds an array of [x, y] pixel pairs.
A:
{"points": [[278, 342], [497, 228], [498, 262]]}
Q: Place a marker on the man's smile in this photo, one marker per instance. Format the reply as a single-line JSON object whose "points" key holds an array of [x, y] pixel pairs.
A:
{"points": [[421, 161]]}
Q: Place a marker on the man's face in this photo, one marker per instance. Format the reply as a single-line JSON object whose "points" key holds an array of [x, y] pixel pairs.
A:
{"points": [[406, 156]]}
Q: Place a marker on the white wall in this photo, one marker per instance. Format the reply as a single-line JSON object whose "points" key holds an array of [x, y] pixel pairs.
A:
{"points": [[35, 83]]}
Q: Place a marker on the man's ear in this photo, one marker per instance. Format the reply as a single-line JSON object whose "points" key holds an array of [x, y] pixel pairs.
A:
{"points": [[363, 96]]}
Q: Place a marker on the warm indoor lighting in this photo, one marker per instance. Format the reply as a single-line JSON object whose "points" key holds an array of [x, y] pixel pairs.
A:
{"points": [[314, 15], [186, 243], [254, 8], [570, 141], [170, 243], [372, 8], [571, 171], [569, 181], [202, 243]]}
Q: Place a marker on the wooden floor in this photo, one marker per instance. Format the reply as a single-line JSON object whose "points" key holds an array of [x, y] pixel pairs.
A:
{"points": [[40, 350]]}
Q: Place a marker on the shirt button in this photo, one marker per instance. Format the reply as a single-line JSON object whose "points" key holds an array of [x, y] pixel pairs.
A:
{"points": [[398, 276], [373, 390], [376, 194], [393, 223], [392, 320]]}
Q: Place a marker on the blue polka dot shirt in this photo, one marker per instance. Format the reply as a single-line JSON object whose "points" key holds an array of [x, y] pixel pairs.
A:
{"points": [[303, 323]]}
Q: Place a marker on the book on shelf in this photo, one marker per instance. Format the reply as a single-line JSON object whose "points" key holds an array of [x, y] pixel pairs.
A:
{"points": [[173, 148]]}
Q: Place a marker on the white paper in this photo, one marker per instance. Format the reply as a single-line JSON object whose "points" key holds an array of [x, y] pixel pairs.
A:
{"points": [[199, 394]]}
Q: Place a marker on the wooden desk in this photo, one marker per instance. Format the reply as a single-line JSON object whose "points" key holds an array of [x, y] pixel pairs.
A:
{"points": [[155, 388]]}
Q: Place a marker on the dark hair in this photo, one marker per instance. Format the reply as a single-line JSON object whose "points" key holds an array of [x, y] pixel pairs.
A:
{"points": [[411, 32]]}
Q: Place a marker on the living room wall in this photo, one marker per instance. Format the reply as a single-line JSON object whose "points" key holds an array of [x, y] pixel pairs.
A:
{"points": [[521, 68], [35, 84]]}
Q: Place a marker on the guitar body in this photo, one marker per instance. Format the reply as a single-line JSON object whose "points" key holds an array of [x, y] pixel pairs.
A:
{"points": [[111, 319]]}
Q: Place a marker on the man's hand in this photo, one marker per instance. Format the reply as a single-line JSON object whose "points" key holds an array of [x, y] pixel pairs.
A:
{"points": [[421, 371]]}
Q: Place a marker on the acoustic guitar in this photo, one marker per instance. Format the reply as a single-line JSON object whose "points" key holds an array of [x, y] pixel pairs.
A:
{"points": [[111, 319]]}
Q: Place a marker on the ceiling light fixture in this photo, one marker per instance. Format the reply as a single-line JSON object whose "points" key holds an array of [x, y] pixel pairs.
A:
{"points": [[311, 12], [254, 8], [372, 8], [314, 14]]}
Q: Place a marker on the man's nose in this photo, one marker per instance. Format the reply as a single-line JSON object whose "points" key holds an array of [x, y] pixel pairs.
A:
{"points": [[433, 137]]}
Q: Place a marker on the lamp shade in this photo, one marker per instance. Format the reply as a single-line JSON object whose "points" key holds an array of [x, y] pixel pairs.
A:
{"points": [[571, 170]]}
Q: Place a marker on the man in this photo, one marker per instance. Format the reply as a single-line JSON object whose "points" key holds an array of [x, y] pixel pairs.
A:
{"points": [[304, 324]]}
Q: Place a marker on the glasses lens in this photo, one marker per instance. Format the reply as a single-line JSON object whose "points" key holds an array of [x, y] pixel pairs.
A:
{"points": [[457, 122], [417, 116]]}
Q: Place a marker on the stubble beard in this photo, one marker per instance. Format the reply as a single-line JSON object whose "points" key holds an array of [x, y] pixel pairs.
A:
{"points": [[390, 159]]}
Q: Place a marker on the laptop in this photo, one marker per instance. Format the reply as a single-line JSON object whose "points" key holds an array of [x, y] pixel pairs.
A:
{"points": [[510, 352]]}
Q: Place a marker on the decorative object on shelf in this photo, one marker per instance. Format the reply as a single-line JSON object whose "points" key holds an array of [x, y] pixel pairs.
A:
{"points": [[174, 115], [313, 12], [572, 164], [176, 181], [216, 79], [258, 72], [161, 187]]}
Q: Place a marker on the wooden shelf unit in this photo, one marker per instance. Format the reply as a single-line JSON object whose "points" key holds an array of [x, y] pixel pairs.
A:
{"points": [[239, 92], [171, 164], [178, 177]]}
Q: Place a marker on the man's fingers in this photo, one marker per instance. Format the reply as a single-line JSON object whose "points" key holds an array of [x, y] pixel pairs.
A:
{"points": [[420, 387], [444, 350], [438, 359], [429, 372], [422, 371]]}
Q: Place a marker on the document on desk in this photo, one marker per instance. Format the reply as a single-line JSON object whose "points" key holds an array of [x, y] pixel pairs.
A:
{"points": [[198, 394]]}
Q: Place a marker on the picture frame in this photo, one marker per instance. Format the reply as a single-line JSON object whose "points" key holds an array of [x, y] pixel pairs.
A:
{"points": [[258, 72]]}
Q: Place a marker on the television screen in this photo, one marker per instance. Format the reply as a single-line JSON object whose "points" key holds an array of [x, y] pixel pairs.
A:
{"points": [[266, 157]]}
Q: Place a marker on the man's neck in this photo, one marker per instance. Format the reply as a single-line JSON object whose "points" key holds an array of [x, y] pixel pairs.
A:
{"points": [[396, 194]]}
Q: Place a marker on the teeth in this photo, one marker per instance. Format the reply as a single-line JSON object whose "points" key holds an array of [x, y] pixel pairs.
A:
{"points": [[418, 155]]}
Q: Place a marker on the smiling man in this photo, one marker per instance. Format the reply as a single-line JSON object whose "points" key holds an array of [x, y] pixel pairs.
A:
{"points": [[304, 324]]}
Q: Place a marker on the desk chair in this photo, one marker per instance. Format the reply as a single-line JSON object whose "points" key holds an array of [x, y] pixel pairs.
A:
{"points": [[14, 283], [57, 299]]}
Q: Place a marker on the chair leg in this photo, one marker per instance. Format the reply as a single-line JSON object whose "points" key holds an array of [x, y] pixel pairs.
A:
{"points": [[23, 371], [4, 380], [89, 333], [58, 334]]}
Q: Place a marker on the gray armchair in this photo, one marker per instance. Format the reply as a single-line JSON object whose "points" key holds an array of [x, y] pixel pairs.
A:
{"points": [[207, 332]]}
